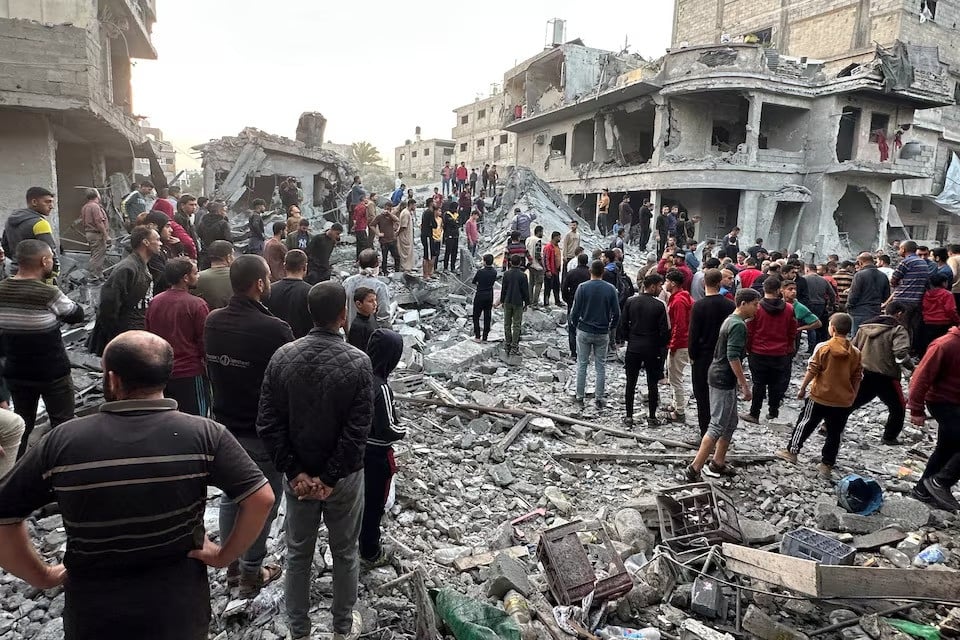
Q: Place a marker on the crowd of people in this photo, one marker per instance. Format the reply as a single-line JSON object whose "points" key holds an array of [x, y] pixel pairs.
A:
{"points": [[260, 374]]}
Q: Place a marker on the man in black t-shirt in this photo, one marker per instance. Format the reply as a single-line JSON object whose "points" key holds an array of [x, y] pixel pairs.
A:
{"points": [[485, 279], [131, 482]]}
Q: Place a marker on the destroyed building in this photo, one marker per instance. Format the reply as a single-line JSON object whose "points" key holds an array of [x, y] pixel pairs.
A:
{"points": [[788, 149], [66, 105], [253, 163]]}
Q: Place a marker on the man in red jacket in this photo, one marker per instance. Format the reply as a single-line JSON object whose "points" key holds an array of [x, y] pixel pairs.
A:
{"points": [[551, 270], [678, 262], [461, 175], [771, 338], [678, 310], [936, 384]]}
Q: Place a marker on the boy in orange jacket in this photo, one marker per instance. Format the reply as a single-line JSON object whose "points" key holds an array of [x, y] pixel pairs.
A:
{"points": [[835, 372]]}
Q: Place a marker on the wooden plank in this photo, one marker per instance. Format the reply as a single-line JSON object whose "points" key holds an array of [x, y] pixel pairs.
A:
{"points": [[484, 559], [773, 568], [510, 411], [625, 456], [499, 451], [838, 581]]}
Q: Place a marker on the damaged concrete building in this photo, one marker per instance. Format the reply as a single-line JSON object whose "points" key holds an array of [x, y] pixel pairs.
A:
{"points": [[801, 152], [252, 164], [478, 132], [66, 106]]}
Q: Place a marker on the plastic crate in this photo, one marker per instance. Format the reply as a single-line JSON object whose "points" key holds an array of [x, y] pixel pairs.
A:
{"points": [[568, 569], [809, 544], [696, 515]]}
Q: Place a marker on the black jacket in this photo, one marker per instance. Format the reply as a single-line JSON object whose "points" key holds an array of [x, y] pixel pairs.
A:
{"points": [[385, 348], [240, 339], [316, 406], [123, 302], [451, 225], [318, 253], [213, 227], [485, 279], [575, 277], [706, 318], [870, 289], [515, 288], [644, 325], [288, 301]]}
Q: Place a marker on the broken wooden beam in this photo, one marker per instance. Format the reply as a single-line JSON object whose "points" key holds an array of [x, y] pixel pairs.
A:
{"points": [[837, 581], [511, 411], [499, 451], [484, 559], [626, 456]]}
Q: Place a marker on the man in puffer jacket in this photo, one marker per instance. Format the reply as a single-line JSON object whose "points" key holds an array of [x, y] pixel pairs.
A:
{"points": [[384, 348], [31, 223], [884, 350], [316, 405]]}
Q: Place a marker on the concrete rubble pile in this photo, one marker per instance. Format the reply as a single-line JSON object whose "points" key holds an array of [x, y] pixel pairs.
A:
{"points": [[507, 498]]}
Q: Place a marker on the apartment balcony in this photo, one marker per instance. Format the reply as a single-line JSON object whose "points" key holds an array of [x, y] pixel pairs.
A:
{"points": [[135, 19]]}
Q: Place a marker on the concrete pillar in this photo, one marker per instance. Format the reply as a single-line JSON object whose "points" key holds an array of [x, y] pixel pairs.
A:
{"points": [[28, 160], [661, 124], [753, 128], [747, 218], [209, 179]]}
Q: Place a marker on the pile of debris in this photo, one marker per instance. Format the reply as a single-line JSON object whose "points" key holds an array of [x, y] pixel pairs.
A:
{"points": [[532, 521]]}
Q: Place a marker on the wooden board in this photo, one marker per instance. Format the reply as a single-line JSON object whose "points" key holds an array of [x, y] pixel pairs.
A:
{"points": [[484, 559], [626, 456], [773, 568], [837, 581]]}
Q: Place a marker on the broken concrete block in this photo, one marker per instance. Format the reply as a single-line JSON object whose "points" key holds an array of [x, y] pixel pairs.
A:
{"points": [[507, 574], [757, 531], [559, 501], [879, 629], [633, 531], [691, 629], [853, 523], [501, 475], [909, 513], [544, 376], [485, 399], [763, 626]]}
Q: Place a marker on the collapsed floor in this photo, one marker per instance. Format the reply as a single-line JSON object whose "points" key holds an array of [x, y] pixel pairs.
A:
{"points": [[493, 459]]}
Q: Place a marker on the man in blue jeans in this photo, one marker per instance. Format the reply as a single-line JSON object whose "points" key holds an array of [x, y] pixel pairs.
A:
{"points": [[596, 309]]}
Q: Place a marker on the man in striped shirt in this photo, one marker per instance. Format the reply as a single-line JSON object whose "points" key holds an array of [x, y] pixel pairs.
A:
{"points": [[131, 483], [36, 361], [908, 284]]}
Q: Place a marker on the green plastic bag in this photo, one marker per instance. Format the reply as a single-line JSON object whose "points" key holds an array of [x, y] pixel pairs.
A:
{"points": [[473, 620], [924, 631]]}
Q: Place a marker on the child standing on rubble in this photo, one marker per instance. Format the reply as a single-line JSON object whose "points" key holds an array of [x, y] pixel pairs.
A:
{"points": [[385, 348], [365, 322], [835, 372]]}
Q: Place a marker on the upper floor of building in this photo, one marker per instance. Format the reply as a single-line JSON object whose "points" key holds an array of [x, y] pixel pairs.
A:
{"points": [[836, 32]]}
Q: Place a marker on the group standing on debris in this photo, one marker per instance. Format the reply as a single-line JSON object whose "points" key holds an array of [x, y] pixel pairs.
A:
{"points": [[260, 374]]}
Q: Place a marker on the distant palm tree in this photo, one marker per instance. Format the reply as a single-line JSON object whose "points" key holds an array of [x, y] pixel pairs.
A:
{"points": [[365, 154]]}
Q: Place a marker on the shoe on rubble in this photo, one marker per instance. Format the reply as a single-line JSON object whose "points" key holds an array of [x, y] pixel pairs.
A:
{"points": [[941, 495], [356, 629], [692, 475], [752, 419], [783, 454]]}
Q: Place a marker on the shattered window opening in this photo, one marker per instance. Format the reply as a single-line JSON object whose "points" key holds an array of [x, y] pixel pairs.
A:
{"points": [[503, 139], [481, 114], [879, 123], [558, 145], [847, 133], [480, 143], [413, 154], [464, 119], [583, 142], [426, 152], [463, 147]]}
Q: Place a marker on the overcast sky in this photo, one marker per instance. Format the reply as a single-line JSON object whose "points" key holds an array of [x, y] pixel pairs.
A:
{"points": [[376, 70]]}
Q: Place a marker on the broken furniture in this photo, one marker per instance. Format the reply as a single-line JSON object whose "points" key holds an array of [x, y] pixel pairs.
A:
{"points": [[834, 581], [570, 574], [697, 515]]}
